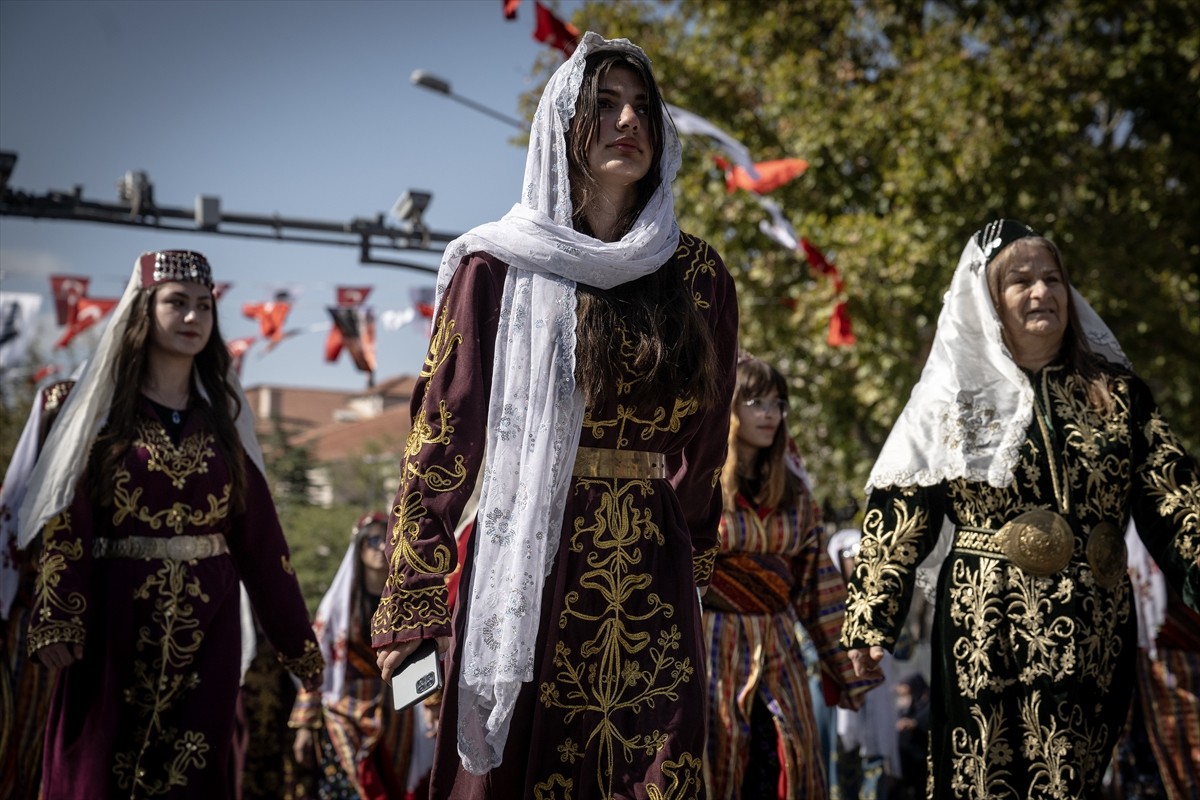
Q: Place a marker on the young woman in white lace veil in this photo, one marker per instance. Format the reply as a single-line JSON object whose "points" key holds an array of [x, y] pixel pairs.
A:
{"points": [[583, 312]]}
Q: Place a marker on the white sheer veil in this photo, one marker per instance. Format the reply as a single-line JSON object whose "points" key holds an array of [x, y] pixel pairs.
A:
{"points": [[535, 411]]}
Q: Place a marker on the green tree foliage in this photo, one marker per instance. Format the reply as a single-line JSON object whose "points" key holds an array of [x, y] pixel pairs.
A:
{"points": [[922, 121], [318, 538], [287, 466]]}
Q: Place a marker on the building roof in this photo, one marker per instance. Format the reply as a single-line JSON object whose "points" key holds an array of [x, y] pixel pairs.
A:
{"points": [[337, 441]]}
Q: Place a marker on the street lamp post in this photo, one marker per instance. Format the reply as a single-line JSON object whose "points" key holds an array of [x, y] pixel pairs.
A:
{"points": [[435, 84]]}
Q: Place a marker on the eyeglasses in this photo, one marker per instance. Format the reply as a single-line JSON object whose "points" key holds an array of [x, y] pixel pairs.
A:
{"points": [[763, 405]]}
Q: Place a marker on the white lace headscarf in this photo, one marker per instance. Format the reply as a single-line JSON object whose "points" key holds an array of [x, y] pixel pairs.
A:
{"points": [[84, 413], [535, 411], [968, 413]]}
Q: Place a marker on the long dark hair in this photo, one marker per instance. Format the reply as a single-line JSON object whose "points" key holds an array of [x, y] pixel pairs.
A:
{"points": [[129, 375], [1092, 369], [770, 483], [650, 324]]}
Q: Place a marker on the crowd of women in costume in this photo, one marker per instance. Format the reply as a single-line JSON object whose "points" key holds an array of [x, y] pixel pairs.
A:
{"points": [[646, 564]]}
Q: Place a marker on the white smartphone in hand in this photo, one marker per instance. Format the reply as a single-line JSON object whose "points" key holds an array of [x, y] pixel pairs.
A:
{"points": [[418, 677]]}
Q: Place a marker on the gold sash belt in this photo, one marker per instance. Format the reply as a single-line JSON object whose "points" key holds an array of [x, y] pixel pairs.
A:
{"points": [[1041, 543], [174, 548], [600, 462]]}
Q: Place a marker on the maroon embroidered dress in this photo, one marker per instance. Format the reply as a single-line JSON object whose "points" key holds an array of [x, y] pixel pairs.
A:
{"points": [[616, 705], [149, 710]]}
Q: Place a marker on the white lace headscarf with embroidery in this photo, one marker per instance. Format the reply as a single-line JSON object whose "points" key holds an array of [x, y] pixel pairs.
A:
{"points": [[968, 413], [535, 411]]}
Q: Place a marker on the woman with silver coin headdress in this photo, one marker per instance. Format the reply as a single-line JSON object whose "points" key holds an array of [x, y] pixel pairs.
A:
{"points": [[1030, 441], [152, 503]]}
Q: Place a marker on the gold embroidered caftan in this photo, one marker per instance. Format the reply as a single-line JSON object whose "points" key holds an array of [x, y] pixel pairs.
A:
{"points": [[1032, 675], [149, 710], [616, 705]]}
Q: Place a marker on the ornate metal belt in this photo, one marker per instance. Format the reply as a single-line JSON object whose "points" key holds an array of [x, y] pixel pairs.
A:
{"points": [[174, 548], [600, 462], [1107, 554], [1041, 543]]}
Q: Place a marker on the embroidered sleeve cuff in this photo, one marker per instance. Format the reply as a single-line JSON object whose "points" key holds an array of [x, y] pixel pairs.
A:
{"points": [[307, 665], [702, 565], [424, 612], [54, 632]]}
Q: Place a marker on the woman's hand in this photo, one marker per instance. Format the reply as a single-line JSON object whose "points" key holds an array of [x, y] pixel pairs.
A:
{"points": [[59, 655], [304, 747], [866, 661], [389, 657]]}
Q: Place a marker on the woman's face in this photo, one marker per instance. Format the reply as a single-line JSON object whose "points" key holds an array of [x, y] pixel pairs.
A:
{"points": [[371, 552], [621, 149], [1033, 303], [759, 419], [183, 319]]}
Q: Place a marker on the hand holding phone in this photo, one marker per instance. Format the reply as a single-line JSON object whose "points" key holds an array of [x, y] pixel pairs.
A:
{"points": [[418, 677]]}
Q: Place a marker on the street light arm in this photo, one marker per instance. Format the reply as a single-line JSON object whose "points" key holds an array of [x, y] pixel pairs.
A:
{"points": [[433, 83]]}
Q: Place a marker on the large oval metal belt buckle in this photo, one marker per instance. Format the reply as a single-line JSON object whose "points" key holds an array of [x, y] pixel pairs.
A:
{"points": [[1107, 554], [1039, 542]]}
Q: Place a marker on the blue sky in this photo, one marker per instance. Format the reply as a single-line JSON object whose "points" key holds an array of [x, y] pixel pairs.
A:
{"points": [[298, 107]]}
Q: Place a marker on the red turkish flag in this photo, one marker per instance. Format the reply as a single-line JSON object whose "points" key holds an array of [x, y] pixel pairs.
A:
{"points": [[237, 349], [510, 8], [352, 295], [816, 259], [840, 334], [43, 372], [553, 31], [771, 174], [67, 289], [88, 311], [270, 315]]}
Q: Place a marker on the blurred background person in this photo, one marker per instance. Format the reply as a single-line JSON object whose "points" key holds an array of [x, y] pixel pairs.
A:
{"points": [[772, 573], [351, 742], [867, 754]]}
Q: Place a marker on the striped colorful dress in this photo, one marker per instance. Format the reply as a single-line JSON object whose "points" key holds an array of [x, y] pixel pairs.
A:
{"points": [[771, 574]]}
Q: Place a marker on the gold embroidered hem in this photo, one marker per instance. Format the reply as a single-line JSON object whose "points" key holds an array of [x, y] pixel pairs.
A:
{"points": [[175, 548], [601, 462]]}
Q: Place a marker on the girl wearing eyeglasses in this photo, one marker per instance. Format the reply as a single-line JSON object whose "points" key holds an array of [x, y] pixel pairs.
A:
{"points": [[771, 574]]}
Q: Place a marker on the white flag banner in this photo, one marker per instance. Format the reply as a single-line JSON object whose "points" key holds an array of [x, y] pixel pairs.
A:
{"points": [[18, 323], [394, 320], [778, 229], [696, 125]]}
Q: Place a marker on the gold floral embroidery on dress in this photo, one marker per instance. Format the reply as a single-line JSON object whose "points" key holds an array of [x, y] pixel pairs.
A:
{"points": [[58, 618], [411, 609], [888, 555], [441, 343], [1043, 645], [422, 434], [684, 779], [976, 606], [701, 265], [162, 678], [190, 457], [307, 664], [703, 563], [637, 670], [126, 503], [285, 563], [1048, 749], [981, 757], [1177, 501], [549, 788], [1102, 650]]}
